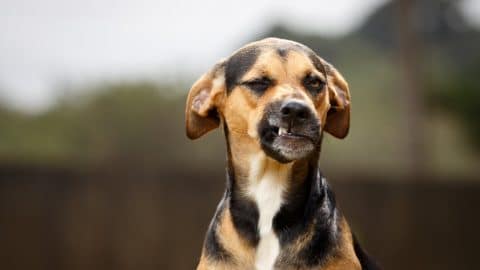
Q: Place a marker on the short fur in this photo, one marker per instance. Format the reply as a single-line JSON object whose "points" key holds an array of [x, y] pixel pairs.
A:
{"points": [[275, 98]]}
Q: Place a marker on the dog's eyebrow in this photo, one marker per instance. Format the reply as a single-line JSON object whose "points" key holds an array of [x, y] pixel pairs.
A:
{"points": [[259, 72], [318, 74], [239, 64], [317, 63]]}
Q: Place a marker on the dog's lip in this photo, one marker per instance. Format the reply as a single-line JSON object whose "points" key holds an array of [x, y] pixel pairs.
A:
{"points": [[287, 134]]}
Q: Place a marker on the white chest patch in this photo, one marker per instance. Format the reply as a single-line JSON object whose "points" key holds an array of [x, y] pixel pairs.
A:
{"points": [[267, 184]]}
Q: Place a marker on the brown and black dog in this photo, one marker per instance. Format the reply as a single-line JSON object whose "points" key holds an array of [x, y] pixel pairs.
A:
{"points": [[275, 98]]}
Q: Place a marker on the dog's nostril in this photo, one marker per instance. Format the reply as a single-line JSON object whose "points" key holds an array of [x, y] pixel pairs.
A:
{"points": [[285, 111], [294, 110], [302, 114]]}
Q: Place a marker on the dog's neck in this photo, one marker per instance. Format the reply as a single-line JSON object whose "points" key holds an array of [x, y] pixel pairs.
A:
{"points": [[271, 199]]}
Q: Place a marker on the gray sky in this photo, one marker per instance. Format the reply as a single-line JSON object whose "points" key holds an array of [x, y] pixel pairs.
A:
{"points": [[46, 42]]}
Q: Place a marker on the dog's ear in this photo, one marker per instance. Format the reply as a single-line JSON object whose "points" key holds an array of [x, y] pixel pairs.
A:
{"points": [[201, 114], [338, 116]]}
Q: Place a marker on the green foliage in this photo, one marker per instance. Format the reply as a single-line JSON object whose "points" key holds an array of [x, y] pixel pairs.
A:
{"points": [[119, 123], [460, 95]]}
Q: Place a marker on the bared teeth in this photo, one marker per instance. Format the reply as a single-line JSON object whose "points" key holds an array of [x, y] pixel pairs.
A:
{"points": [[282, 131]]}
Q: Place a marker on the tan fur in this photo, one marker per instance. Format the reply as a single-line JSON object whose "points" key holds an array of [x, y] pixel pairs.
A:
{"points": [[337, 123], [206, 93], [287, 73], [243, 253], [345, 257], [242, 111]]}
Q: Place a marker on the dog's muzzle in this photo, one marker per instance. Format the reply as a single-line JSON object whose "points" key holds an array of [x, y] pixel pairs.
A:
{"points": [[289, 130]]}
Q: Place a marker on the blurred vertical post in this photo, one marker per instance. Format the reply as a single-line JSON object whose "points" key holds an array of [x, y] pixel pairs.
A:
{"points": [[412, 87]]}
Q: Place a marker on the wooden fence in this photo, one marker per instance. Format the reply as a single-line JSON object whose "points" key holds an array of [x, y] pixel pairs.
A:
{"points": [[64, 219]]}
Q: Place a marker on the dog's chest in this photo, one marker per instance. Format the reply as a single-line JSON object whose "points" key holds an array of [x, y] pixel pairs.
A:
{"points": [[267, 187]]}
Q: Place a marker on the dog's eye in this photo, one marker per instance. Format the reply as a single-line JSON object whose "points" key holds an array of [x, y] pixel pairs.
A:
{"points": [[313, 84], [259, 85]]}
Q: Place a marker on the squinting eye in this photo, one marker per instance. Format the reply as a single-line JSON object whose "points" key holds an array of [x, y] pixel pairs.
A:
{"points": [[314, 84], [259, 85]]}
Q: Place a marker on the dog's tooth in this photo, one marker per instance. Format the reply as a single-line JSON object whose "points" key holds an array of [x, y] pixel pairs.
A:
{"points": [[282, 131]]}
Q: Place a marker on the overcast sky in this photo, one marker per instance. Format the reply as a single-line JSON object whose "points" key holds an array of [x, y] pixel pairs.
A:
{"points": [[46, 42]]}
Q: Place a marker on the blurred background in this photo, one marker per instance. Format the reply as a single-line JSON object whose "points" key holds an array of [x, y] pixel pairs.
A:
{"points": [[96, 172]]}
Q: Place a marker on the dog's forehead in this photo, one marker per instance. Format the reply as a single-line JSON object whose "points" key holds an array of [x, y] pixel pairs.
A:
{"points": [[242, 60]]}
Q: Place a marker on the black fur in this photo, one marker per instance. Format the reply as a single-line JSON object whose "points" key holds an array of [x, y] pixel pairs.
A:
{"points": [[326, 237], [243, 60], [244, 211], [245, 217], [213, 247], [310, 127], [238, 64], [317, 62], [366, 261], [259, 85], [311, 202]]}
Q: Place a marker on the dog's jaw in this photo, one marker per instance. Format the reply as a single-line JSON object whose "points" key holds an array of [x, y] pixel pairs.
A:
{"points": [[287, 141]]}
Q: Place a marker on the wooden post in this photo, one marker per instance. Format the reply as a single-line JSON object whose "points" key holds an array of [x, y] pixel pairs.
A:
{"points": [[412, 87]]}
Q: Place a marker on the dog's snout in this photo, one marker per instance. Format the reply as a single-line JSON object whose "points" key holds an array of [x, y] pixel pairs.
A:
{"points": [[294, 110]]}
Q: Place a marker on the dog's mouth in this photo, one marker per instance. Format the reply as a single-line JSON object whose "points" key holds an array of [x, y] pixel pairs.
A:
{"points": [[287, 134], [286, 142]]}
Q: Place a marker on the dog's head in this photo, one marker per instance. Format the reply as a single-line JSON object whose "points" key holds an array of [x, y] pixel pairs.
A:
{"points": [[275, 93]]}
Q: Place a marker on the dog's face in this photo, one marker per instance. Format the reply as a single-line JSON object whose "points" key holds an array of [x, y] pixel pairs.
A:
{"points": [[276, 94]]}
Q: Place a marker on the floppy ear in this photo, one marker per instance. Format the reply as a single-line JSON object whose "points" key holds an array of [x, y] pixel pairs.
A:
{"points": [[201, 113], [338, 116]]}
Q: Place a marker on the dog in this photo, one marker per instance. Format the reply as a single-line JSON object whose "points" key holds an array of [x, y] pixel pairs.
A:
{"points": [[275, 98]]}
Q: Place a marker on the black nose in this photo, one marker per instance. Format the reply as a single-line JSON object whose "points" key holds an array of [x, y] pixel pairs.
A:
{"points": [[294, 110]]}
